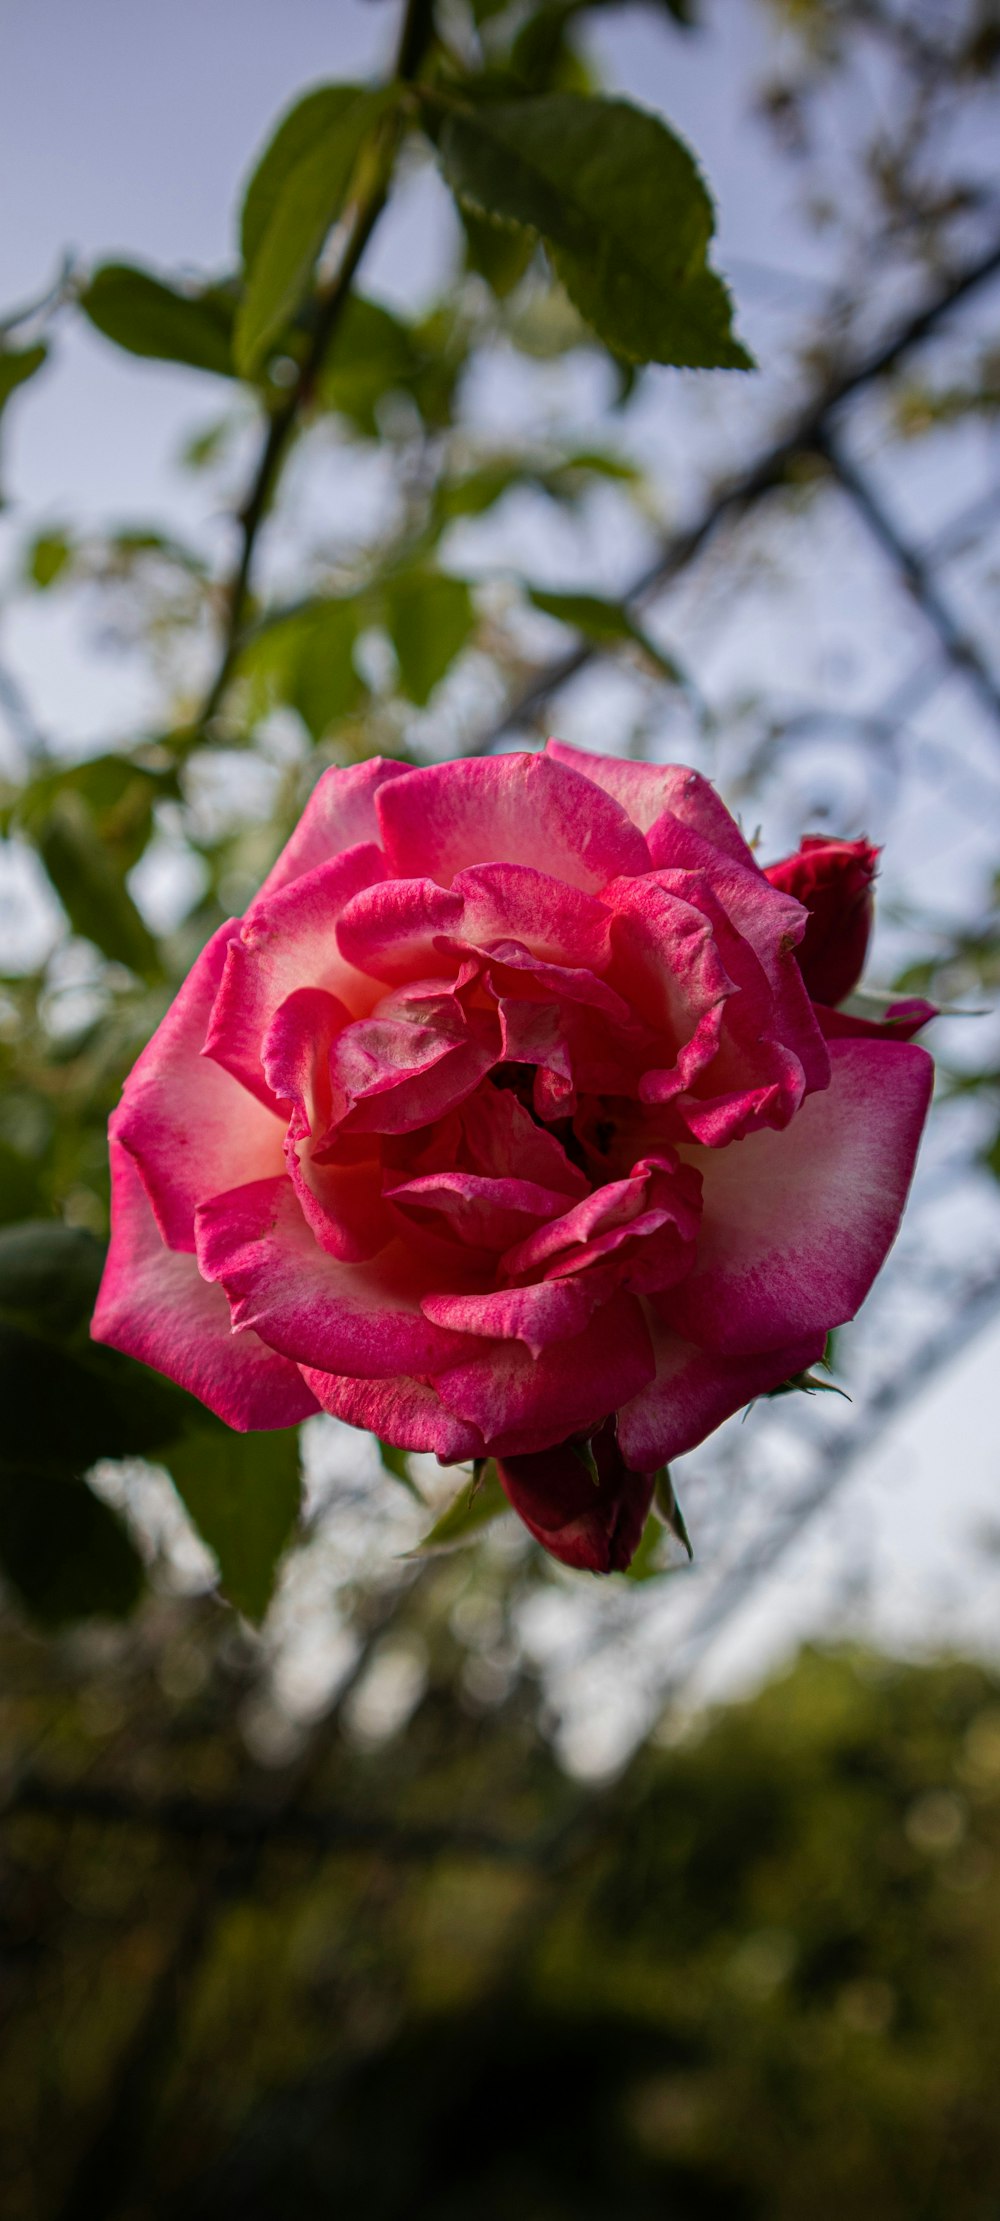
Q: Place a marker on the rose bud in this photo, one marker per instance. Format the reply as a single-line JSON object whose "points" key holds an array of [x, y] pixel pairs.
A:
{"points": [[580, 1501], [833, 881]]}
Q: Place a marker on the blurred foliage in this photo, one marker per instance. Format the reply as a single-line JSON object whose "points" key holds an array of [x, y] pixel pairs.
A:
{"points": [[757, 1975]]}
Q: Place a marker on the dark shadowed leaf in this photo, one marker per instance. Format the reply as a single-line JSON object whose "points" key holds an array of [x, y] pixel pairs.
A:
{"points": [[605, 622], [17, 364], [622, 208], [669, 1509], [49, 1275], [66, 1553], [500, 253], [430, 617], [93, 895], [309, 194], [147, 317], [243, 1493]]}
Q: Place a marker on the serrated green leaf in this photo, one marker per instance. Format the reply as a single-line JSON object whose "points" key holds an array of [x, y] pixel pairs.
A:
{"points": [[500, 253], [66, 1553], [473, 1509], [94, 897], [429, 617], [243, 1493], [147, 317], [622, 208], [309, 197], [17, 365]]}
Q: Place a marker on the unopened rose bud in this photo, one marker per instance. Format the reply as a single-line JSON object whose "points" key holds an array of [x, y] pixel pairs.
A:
{"points": [[580, 1501], [833, 881]]}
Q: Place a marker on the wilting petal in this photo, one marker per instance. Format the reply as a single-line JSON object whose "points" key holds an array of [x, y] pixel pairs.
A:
{"points": [[595, 1525], [363, 1319], [515, 809], [190, 1126], [695, 1390], [339, 814], [408, 1413], [797, 1224], [521, 1403], [287, 943], [155, 1306]]}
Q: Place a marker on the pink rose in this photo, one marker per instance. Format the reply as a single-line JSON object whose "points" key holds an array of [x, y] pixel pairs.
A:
{"points": [[504, 1125]]}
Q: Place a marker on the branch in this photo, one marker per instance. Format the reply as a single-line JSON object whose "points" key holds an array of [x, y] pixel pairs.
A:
{"points": [[916, 572], [417, 31], [759, 478]]}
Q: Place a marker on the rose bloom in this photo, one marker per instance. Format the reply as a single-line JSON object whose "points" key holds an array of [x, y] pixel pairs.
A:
{"points": [[511, 1122]]}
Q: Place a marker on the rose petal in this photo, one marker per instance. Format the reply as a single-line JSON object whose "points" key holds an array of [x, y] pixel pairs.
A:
{"points": [[287, 943], [695, 1390], [521, 1403], [154, 1305], [190, 1126], [646, 790], [408, 1413], [797, 1224], [339, 814], [516, 809], [363, 1319]]}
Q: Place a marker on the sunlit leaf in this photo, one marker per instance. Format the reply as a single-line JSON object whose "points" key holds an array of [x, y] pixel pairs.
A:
{"points": [[308, 197], [623, 211]]}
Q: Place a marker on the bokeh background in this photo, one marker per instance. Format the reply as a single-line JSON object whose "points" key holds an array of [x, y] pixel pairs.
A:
{"points": [[436, 1881]]}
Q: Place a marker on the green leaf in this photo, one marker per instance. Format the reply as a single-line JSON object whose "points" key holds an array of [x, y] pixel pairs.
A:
{"points": [[65, 1407], [622, 208], [604, 622], [375, 355], [94, 897], [47, 557], [500, 253], [301, 131], [17, 365], [309, 195], [396, 1462], [647, 1563], [430, 617], [147, 317], [66, 1553], [669, 1509], [49, 1275], [243, 1493], [325, 686], [473, 1508], [20, 1184]]}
